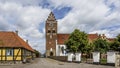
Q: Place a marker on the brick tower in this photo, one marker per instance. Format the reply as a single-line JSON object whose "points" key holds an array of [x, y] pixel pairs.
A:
{"points": [[51, 35]]}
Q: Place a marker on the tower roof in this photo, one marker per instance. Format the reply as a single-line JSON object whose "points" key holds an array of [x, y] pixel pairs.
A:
{"points": [[51, 16]]}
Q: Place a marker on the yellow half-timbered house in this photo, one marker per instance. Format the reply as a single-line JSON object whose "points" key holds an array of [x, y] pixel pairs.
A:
{"points": [[13, 48]]}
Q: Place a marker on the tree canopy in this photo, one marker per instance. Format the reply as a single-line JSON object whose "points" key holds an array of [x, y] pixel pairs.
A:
{"points": [[37, 53], [101, 45], [118, 38], [114, 45], [77, 41]]}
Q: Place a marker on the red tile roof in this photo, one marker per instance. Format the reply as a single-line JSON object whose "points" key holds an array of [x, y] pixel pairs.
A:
{"points": [[92, 36], [11, 39], [111, 39], [61, 38]]}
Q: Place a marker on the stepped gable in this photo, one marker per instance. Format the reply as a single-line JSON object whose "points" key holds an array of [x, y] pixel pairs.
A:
{"points": [[51, 17], [11, 39]]}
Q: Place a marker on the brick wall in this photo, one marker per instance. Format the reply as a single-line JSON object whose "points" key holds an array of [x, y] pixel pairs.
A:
{"points": [[59, 58]]}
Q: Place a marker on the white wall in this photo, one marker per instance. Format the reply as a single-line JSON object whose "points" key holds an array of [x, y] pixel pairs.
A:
{"points": [[111, 57], [59, 51]]}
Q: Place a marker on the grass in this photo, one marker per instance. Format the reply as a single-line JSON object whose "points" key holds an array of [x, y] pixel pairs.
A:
{"points": [[83, 59], [103, 61]]}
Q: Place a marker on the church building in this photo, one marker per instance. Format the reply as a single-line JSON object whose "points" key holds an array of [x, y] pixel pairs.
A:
{"points": [[55, 42]]}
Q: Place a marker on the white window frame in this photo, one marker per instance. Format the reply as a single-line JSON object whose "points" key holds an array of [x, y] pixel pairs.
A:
{"points": [[9, 52]]}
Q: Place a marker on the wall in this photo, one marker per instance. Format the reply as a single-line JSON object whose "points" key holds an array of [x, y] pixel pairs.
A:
{"points": [[60, 58], [16, 54], [59, 51]]}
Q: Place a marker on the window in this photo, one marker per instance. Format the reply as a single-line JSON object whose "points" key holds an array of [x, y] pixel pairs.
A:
{"points": [[9, 52], [49, 31], [62, 48], [53, 31]]}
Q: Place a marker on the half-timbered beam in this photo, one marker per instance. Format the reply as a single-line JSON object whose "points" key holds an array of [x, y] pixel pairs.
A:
{"points": [[1, 53], [17, 54]]}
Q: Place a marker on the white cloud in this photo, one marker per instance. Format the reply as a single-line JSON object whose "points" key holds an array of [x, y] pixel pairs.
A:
{"points": [[89, 16], [88, 13], [23, 2], [25, 19]]}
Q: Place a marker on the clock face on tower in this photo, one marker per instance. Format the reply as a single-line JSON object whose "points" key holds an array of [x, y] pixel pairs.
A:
{"points": [[51, 24]]}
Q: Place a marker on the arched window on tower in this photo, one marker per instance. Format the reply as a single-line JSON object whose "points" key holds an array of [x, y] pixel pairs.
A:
{"points": [[53, 31], [49, 31]]}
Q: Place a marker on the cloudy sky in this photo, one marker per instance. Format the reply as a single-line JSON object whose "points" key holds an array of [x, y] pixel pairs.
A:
{"points": [[29, 16]]}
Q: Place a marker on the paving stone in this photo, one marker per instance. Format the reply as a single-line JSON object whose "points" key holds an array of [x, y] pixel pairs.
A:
{"points": [[50, 63]]}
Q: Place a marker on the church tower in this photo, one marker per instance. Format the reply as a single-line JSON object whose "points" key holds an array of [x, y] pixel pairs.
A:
{"points": [[51, 35]]}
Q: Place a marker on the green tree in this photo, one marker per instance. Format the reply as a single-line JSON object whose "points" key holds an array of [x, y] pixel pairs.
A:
{"points": [[114, 45], [101, 45], [77, 41], [37, 53], [118, 38], [89, 48]]}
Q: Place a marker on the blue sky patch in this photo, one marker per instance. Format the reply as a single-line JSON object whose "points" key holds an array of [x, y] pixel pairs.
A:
{"points": [[112, 6], [60, 13], [111, 28], [44, 4], [41, 26]]}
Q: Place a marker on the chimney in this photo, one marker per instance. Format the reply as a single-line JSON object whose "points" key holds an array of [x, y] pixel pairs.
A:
{"points": [[16, 32], [103, 34], [99, 35], [104, 37], [26, 41]]}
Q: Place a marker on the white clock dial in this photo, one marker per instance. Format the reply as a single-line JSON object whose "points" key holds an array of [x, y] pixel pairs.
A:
{"points": [[51, 24]]}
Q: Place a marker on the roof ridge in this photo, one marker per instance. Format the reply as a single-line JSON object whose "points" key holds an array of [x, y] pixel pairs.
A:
{"points": [[64, 33]]}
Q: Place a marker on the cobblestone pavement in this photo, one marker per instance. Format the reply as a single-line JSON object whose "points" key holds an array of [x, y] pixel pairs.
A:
{"points": [[49, 63]]}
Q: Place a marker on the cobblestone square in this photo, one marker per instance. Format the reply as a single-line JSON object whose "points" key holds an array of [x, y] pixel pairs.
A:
{"points": [[49, 63]]}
